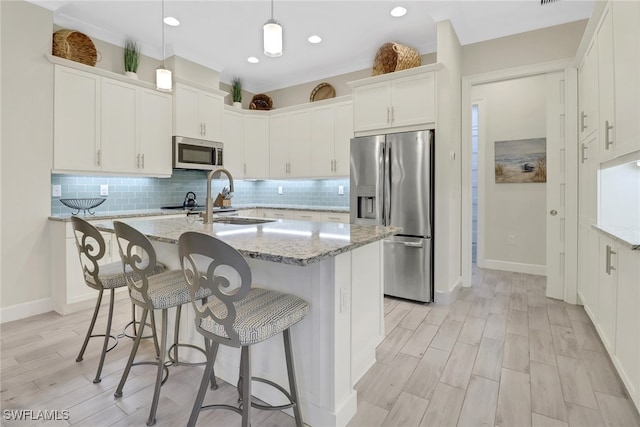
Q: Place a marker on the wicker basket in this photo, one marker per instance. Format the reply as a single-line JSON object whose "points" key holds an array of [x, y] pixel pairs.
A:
{"points": [[75, 46], [395, 57], [261, 102]]}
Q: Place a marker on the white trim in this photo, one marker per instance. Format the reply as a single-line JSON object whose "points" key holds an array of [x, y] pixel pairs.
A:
{"points": [[27, 309], [467, 83], [516, 267], [448, 298]]}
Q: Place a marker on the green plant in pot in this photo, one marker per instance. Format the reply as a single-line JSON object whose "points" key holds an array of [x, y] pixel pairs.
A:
{"points": [[131, 58], [236, 92]]}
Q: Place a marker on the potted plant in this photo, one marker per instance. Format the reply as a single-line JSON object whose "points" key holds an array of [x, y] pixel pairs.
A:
{"points": [[131, 58], [236, 92]]}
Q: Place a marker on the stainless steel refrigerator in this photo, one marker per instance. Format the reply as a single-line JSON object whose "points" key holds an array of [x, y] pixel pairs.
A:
{"points": [[391, 184]]}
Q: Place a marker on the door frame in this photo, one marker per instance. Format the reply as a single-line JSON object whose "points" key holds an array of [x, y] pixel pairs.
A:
{"points": [[569, 291]]}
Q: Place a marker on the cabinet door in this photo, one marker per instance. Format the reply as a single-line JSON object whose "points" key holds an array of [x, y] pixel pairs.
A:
{"points": [[299, 155], [344, 133], [626, 36], [413, 100], [307, 216], [210, 109], [335, 217], [278, 214], [588, 92], [279, 145], [187, 117], [119, 135], [256, 146], [372, 106], [593, 273], [322, 126], [606, 89], [155, 132], [607, 293], [76, 137], [628, 319], [233, 139]]}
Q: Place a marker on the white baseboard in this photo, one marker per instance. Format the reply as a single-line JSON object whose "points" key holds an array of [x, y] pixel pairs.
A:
{"points": [[447, 298], [516, 267], [27, 309]]}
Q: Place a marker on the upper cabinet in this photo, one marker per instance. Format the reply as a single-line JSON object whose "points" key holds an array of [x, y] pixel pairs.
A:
{"points": [[198, 113], [588, 92], [604, 43], [289, 136], [109, 126], [256, 145], [331, 129], [396, 100], [233, 138]]}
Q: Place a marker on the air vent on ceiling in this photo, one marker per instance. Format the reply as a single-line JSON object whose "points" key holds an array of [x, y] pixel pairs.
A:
{"points": [[543, 2]]}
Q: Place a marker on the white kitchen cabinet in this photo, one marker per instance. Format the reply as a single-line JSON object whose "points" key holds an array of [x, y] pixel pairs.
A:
{"points": [[336, 217], [405, 98], [251, 213], [606, 88], [627, 355], [607, 292], [626, 36], [307, 216], [198, 113], [588, 92], [109, 126], [76, 129], [331, 132], [256, 146], [289, 136], [233, 139], [278, 213]]}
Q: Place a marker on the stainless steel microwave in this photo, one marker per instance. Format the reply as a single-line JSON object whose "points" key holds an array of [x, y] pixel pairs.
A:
{"points": [[191, 153]]}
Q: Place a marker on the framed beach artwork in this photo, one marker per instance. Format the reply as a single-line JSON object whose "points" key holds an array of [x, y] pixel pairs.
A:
{"points": [[521, 161]]}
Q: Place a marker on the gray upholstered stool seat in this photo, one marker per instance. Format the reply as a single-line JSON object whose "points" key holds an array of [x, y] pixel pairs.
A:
{"points": [[237, 316], [166, 290], [260, 315], [91, 250]]}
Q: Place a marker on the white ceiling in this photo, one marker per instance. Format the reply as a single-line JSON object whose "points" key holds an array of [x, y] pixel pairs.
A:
{"points": [[222, 34]]}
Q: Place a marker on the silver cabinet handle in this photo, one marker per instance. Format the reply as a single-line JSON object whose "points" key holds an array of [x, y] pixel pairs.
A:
{"points": [[583, 151], [99, 157], [204, 126], [609, 267], [607, 134], [583, 121], [245, 168], [388, 115], [553, 212], [393, 115], [138, 161], [142, 160], [201, 129]]}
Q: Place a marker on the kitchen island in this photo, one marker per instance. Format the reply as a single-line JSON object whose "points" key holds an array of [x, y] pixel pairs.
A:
{"points": [[337, 268]]}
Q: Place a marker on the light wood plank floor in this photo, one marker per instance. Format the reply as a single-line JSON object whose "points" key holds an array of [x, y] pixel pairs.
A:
{"points": [[501, 355]]}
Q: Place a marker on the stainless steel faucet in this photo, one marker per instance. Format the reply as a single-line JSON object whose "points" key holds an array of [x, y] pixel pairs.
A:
{"points": [[208, 215]]}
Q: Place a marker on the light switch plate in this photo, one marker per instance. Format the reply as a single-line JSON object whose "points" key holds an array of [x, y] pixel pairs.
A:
{"points": [[280, 189], [104, 190], [341, 190], [56, 190]]}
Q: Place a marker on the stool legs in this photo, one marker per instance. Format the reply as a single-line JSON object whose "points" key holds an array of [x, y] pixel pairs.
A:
{"points": [[134, 350], [163, 349], [245, 369], [293, 388], [105, 346], [212, 351]]}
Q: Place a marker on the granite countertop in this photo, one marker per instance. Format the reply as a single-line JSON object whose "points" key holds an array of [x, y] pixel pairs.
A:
{"points": [[282, 241], [629, 236], [332, 209]]}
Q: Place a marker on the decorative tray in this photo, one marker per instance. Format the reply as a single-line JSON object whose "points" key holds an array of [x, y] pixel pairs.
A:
{"points": [[322, 91], [83, 204]]}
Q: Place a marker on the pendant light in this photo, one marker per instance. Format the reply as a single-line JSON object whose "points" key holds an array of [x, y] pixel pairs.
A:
{"points": [[163, 75], [272, 37]]}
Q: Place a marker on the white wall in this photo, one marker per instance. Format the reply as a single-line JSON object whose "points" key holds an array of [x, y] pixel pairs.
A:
{"points": [[448, 184], [27, 151], [619, 195], [513, 109]]}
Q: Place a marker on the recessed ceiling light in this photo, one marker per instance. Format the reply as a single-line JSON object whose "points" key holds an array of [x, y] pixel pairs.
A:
{"points": [[171, 21], [315, 39], [398, 11], [253, 60]]}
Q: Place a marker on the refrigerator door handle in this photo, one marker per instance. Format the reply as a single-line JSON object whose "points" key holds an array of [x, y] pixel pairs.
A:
{"points": [[387, 185], [409, 244]]}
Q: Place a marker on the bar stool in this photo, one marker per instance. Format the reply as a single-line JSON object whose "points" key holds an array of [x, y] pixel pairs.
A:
{"points": [[238, 316], [91, 249], [153, 292]]}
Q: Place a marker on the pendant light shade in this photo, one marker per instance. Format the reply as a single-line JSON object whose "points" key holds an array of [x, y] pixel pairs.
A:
{"points": [[272, 37], [163, 76]]}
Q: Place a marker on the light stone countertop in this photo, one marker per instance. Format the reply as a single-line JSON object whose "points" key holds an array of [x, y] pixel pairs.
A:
{"points": [[629, 236], [281, 241]]}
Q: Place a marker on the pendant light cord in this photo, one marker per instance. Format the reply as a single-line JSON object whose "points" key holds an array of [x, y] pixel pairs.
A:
{"points": [[163, 47], [272, 10]]}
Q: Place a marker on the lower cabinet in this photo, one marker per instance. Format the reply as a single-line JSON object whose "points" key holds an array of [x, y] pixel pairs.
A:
{"points": [[336, 217], [277, 213], [607, 292]]}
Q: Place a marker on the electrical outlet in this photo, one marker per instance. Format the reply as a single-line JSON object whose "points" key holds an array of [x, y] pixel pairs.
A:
{"points": [[279, 189], [511, 239], [341, 190], [56, 190], [104, 190]]}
